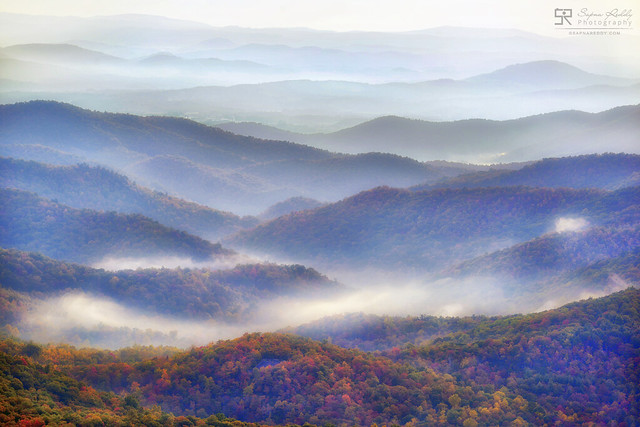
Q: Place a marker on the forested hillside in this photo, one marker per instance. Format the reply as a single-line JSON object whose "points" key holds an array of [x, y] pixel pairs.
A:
{"points": [[205, 164], [554, 253], [31, 223], [203, 294], [427, 230], [579, 364], [93, 187], [575, 364], [34, 392]]}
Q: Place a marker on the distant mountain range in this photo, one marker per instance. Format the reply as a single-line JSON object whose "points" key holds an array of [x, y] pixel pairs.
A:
{"points": [[306, 80], [544, 75], [437, 52], [59, 54], [606, 171], [312, 106], [205, 164], [528, 138]]}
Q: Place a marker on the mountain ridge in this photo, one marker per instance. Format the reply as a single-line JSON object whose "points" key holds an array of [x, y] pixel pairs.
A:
{"points": [[556, 134], [279, 170], [83, 186], [33, 223], [385, 226]]}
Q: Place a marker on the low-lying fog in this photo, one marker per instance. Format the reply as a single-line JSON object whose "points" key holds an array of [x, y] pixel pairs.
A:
{"points": [[92, 320]]}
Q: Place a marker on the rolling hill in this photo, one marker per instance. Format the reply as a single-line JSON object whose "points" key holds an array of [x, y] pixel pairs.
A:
{"points": [[545, 75], [290, 205], [430, 229], [60, 54], [229, 295], [488, 371], [31, 223], [97, 188], [557, 134], [242, 174], [553, 253], [607, 171]]}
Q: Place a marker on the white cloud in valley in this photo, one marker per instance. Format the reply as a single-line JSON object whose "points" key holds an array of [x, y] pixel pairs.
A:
{"points": [[567, 224]]}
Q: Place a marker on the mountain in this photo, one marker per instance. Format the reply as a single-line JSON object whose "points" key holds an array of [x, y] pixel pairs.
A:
{"points": [[170, 61], [309, 80], [60, 54], [313, 381], [23, 74], [39, 153], [232, 172], [553, 253], [285, 207], [259, 130], [531, 353], [544, 347], [607, 171], [309, 104], [529, 138], [556, 366], [230, 295], [97, 188], [232, 189], [545, 75], [30, 223], [340, 176], [394, 228]]}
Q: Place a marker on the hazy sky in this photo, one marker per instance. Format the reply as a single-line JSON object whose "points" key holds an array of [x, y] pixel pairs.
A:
{"points": [[388, 15]]}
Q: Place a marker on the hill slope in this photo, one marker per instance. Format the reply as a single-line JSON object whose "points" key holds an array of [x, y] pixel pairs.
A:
{"points": [[423, 230], [498, 371], [181, 293], [554, 253], [544, 75], [30, 223], [241, 174], [606, 171], [91, 187], [556, 134], [60, 54]]}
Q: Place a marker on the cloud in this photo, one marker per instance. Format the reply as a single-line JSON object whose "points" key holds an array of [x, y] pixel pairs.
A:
{"points": [[566, 224], [62, 317]]}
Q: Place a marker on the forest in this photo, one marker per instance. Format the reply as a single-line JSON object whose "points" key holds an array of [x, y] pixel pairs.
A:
{"points": [[573, 365]]}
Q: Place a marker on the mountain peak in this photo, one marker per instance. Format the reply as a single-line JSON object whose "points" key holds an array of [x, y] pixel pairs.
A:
{"points": [[546, 74]]}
